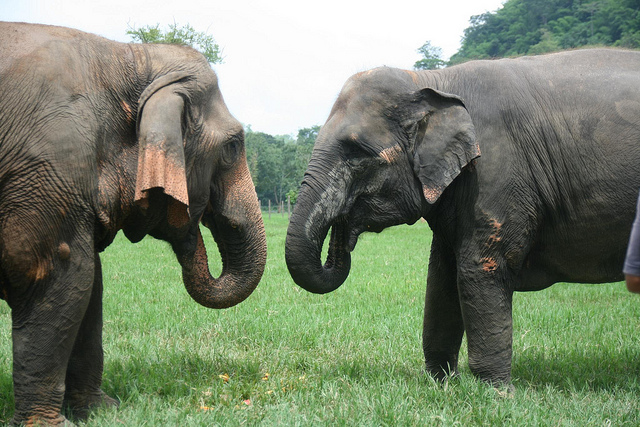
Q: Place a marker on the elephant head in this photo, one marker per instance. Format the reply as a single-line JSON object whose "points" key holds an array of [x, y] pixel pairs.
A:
{"points": [[192, 168], [386, 154]]}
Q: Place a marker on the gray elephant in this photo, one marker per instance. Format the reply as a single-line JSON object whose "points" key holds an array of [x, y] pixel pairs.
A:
{"points": [[552, 198], [96, 137]]}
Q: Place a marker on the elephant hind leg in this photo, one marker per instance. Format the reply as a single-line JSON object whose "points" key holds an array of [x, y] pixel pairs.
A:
{"points": [[84, 370], [46, 317]]}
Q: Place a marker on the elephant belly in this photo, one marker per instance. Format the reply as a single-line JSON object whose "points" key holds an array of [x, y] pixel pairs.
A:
{"points": [[593, 256]]}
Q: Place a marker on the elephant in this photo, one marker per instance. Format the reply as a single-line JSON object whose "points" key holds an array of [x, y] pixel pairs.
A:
{"points": [[98, 136], [526, 170]]}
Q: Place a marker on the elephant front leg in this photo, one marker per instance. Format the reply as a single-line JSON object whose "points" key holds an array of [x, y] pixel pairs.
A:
{"points": [[46, 316], [85, 367], [443, 327], [486, 301]]}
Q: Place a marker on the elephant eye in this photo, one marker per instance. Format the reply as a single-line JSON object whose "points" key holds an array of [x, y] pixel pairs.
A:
{"points": [[230, 152], [352, 150], [357, 156]]}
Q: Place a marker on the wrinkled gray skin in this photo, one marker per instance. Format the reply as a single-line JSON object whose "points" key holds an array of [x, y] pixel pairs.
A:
{"points": [[96, 137], [552, 198]]}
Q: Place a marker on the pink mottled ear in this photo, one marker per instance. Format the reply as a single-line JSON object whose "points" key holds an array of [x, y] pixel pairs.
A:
{"points": [[161, 160], [445, 140]]}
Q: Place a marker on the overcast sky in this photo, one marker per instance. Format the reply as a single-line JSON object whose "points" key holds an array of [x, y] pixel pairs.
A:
{"points": [[285, 61]]}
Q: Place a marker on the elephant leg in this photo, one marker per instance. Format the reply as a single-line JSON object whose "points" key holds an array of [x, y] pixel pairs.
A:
{"points": [[486, 301], [443, 327], [84, 370], [46, 317]]}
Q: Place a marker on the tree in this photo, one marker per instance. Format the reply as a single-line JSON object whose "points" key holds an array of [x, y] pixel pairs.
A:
{"points": [[526, 27], [432, 57], [185, 36], [547, 44], [265, 163], [277, 163], [307, 136], [303, 149]]}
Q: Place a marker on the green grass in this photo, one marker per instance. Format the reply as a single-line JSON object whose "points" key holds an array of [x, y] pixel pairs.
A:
{"points": [[352, 357]]}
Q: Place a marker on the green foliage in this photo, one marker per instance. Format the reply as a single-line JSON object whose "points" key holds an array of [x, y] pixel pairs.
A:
{"points": [[278, 163], [531, 27], [185, 36], [292, 195], [432, 57]]}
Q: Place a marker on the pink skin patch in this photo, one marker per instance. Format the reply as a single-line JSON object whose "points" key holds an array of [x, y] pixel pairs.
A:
{"points": [[489, 265], [156, 169], [432, 194], [494, 237], [413, 75], [391, 154], [127, 110], [40, 271], [64, 252]]}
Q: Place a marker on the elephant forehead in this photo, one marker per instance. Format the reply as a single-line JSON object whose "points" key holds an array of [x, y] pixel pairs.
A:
{"points": [[224, 132], [366, 128], [628, 110], [361, 124]]}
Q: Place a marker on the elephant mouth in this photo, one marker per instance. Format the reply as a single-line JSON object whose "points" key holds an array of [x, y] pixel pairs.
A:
{"points": [[345, 233], [342, 239]]}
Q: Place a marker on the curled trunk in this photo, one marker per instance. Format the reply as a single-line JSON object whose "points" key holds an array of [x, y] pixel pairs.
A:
{"points": [[238, 230], [242, 267], [303, 250]]}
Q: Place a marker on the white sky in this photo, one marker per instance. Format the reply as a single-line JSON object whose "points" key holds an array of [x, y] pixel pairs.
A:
{"points": [[285, 61]]}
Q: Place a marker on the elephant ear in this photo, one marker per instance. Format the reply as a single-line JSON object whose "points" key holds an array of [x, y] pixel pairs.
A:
{"points": [[161, 159], [445, 140]]}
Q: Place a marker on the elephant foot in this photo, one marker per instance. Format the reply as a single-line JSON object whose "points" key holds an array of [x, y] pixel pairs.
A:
{"points": [[40, 421], [443, 375], [507, 391], [442, 367], [80, 405]]}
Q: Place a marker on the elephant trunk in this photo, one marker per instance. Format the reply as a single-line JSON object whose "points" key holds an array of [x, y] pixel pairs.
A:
{"points": [[238, 231], [305, 237]]}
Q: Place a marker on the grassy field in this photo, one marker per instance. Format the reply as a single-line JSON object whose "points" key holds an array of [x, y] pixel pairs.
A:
{"points": [[352, 357]]}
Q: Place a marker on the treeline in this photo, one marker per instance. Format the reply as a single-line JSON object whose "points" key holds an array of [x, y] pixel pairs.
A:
{"points": [[529, 27], [278, 163]]}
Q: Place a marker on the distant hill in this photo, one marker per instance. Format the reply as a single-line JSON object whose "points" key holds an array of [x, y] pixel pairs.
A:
{"points": [[532, 27]]}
